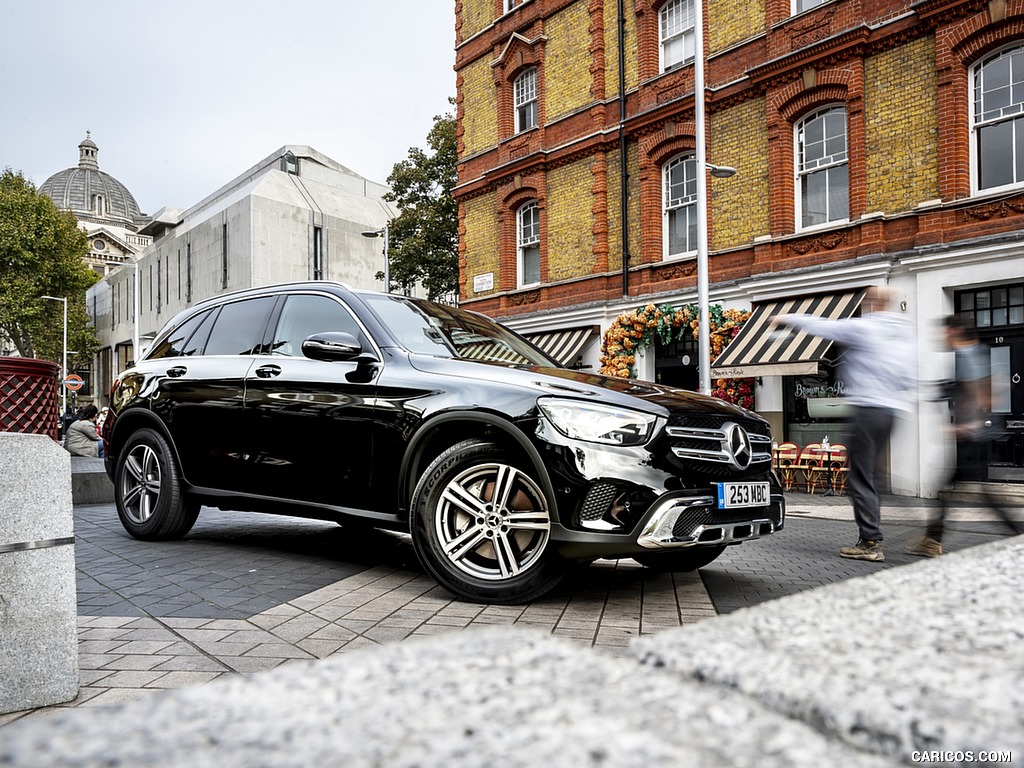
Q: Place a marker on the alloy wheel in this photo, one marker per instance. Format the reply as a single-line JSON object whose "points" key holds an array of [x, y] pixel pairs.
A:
{"points": [[140, 483], [492, 521]]}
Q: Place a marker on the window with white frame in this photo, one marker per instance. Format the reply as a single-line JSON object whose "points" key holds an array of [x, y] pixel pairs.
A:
{"points": [[679, 204], [525, 96], [528, 243], [799, 6], [823, 177], [676, 30], [998, 119], [510, 4]]}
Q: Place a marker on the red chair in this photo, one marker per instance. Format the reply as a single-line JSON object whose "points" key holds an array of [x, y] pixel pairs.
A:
{"points": [[810, 458], [784, 459], [831, 473]]}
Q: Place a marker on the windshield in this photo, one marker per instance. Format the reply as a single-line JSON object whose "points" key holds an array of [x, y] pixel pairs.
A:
{"points": [[434, 329]]}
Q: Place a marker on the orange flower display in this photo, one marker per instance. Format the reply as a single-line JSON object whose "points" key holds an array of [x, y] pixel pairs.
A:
{"points": [[633, 331]]}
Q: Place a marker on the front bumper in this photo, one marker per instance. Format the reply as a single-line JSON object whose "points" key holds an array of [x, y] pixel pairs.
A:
{"points": [[676, 521]]}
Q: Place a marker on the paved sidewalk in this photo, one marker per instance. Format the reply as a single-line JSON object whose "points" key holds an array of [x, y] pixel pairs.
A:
{"points": [[244, 593]]}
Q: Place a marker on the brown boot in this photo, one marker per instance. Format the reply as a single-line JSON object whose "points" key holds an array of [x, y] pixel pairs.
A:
{"points": [[864, 550], [926, 547]]}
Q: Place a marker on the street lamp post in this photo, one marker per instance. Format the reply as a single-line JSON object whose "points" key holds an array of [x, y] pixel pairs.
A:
{"points": [[64, 363], [383, 232], [719, 171]]}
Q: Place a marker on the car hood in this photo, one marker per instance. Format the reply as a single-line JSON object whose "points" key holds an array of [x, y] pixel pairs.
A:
{"points": [[630, 393]]}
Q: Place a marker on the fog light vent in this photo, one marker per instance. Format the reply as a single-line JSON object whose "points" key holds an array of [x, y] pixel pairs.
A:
{"points": [[597, 502]]}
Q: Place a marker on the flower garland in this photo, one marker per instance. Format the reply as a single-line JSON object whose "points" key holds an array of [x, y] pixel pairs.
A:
{"points": [[632, 331]]}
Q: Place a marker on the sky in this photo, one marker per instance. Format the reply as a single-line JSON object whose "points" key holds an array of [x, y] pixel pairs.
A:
{"points": [[182, 97]]}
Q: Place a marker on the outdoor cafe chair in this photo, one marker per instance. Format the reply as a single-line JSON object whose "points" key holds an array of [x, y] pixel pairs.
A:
{"points": [[784, 460]]}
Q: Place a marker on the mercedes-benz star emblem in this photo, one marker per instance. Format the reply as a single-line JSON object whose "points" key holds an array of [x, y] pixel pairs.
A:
{"points": [[738, 445]]}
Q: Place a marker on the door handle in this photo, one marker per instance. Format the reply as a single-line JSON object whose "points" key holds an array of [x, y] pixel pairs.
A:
{"points": [[1015, 378], [268, 371], [177, 371]]}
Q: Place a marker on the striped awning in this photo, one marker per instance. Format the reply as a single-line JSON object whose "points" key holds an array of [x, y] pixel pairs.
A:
{"points": [[761, 350], [563, 346]]}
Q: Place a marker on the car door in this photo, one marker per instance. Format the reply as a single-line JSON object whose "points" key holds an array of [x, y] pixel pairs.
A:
{"points": [[200, 392], [312, 420]]}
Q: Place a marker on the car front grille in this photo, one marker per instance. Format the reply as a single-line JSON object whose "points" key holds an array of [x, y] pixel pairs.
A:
{"points": [[700, 446]]}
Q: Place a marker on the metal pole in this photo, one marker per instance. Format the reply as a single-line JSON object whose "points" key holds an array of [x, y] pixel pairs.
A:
{"points": [[704, 323], [64, 358], [387, 262]]}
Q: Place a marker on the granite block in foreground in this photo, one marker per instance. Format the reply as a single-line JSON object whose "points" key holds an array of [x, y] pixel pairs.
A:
{"points": [[922, 658]]}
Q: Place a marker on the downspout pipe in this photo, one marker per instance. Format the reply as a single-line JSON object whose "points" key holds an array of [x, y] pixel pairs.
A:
{"points": [[623, 174]]}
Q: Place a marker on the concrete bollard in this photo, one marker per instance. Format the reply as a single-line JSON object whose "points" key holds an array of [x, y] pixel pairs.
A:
{"points": [[38, 609]]}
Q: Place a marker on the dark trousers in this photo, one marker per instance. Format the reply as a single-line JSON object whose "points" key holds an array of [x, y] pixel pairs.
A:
{"points": [[869, 430], [971, 458]]}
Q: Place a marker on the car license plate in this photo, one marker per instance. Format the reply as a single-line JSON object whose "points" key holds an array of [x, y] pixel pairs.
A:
{"points": [[742, 495]]}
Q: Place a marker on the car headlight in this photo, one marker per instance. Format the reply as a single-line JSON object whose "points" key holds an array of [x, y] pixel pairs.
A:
{"points": [[597, 423]]}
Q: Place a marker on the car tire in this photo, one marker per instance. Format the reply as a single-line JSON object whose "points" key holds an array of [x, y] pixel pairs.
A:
{"points": [[681, 560], [147, 490], [477, 550]]}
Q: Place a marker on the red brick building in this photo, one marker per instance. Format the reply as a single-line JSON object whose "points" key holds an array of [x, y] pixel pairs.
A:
{"points": [[876, 142]]}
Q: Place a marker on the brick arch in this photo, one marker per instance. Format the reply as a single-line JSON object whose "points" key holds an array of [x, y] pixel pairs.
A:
{"points": [[980, 39], [658, 148], [796, 101]]}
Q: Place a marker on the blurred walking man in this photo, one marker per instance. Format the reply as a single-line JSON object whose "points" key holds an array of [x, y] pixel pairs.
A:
{"points": [[878, 369], [971, 406]]}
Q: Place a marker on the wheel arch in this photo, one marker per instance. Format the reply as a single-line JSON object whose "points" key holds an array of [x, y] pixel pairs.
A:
{"points": [[132, 420], [445, 430]]}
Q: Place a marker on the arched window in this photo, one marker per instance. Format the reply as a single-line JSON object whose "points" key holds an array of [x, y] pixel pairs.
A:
{"points": [[998, 119], [823, 178], [528, 244], [675, 29], [679, 206], [101, 205], [525, 100]]}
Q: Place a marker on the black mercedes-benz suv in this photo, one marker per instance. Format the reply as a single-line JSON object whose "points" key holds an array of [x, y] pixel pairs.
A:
{"points": [[317, 400]]}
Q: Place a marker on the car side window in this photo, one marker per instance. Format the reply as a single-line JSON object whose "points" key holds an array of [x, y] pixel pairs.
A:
{"points": [[305, 314], [184, 340], [240, 327]]}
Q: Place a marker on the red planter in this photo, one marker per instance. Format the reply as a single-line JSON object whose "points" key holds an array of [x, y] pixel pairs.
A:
{"points": [[28, 396]]}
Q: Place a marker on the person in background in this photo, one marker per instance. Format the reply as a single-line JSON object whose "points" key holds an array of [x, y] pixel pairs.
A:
{"points": [[878, 367], [971, 405], [82, 438]]}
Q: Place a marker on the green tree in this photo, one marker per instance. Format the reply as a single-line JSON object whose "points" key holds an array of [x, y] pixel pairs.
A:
{"points": [[41, 250], [423, 239]]}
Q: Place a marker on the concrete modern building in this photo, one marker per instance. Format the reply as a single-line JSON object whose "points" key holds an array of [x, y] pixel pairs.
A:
{"points": [[876, 142], [295, 215]]}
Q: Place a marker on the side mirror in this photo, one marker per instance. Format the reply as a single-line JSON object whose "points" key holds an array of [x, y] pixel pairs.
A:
{"points": [[332, 345]]}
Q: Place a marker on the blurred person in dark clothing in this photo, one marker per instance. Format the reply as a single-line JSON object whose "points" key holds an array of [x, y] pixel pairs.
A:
{"points": [[971, 405]]}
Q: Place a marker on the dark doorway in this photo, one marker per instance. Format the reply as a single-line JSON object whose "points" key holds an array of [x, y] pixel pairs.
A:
{"points": [[675, 364]]}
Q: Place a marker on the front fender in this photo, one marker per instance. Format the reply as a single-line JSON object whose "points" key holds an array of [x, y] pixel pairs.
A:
{"points": [[450, 427]]}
